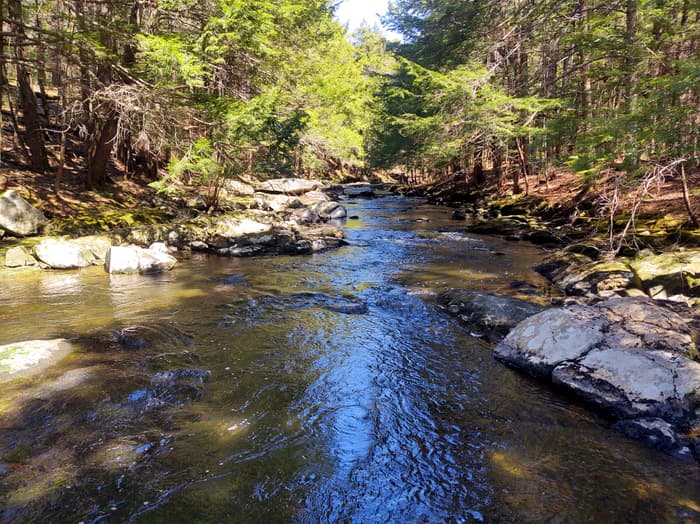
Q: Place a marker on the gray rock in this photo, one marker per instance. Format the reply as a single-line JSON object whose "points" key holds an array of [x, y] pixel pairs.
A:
{"points": [[305, 216], [624, 382], [30, 357], [98, 245], [276, 202], [235, 227], [122, 260], [330, 210], [314, 197], [236, 188], [289, 186], [18, 216], [489, 314], [18, 257], [64, 254], [155, 261], [359, 191], [540, 343], [578, 275]]}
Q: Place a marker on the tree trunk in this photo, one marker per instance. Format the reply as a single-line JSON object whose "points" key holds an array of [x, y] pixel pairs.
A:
{"points": [[497, 154], [630, 57], [478, 171], [100, 150], [32, 124], [686, 199], [27, 101]]}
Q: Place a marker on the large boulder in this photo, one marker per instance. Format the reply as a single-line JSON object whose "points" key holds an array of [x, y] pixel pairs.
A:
{"points": [[542, 342], [59, 253], [289, 186], [134, 259], [668, 274], [30, 356], [487, 314], [628, 357], [18, 216]]}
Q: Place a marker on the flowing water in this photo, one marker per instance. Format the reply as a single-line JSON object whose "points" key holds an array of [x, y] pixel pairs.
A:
{"points": [[339, 392]]}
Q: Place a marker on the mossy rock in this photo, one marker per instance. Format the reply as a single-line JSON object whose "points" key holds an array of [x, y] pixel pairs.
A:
{"points": [[667, 274]]}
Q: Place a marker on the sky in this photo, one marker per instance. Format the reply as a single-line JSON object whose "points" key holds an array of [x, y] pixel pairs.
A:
{"points": [[353, 12]]}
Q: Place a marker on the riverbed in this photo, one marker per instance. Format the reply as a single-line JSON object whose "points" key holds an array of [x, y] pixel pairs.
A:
{"points": [[339, 392]]}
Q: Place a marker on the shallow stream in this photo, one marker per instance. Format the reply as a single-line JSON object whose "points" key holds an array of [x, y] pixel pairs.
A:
{"points": [[339, 392]]}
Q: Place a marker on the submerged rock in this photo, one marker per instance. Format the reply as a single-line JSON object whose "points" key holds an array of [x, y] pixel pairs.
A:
{"points": [[159, 336], [655, 433], [179, 385], [30, 356], [628, 357], [489, 314], [18, 216]]}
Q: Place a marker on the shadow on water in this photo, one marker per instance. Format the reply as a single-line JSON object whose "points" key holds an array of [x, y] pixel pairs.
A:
{"points": [[338, 392]]}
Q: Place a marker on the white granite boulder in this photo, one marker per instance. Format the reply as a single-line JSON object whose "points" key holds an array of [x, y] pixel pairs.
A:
{"points": [[57, 253], [134, 259]]}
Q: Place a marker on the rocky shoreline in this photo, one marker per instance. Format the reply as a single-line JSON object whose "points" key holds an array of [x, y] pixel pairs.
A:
{"points": [[624, 337], [279, 216]]}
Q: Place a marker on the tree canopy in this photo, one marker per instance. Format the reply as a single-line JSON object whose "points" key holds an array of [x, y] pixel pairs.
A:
{"points": [[214, 88]]}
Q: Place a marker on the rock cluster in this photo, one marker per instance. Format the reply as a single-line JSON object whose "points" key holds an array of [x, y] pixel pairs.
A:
{"points": [[668, 276], [280, 216], [628, 357]]}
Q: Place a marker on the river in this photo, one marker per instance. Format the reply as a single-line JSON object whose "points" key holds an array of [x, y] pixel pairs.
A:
{"points": [[339, 392]]}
